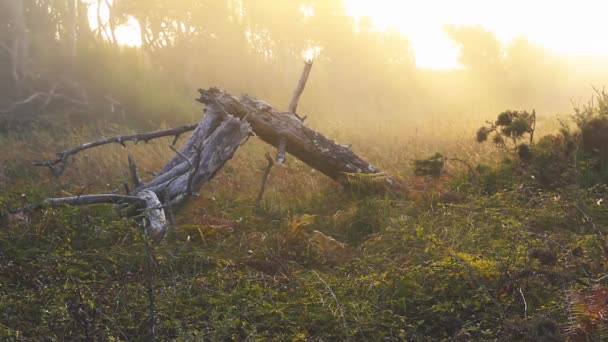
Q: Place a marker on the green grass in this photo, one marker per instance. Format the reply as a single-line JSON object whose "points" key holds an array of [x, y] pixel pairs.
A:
{"points": [[492, 257]]}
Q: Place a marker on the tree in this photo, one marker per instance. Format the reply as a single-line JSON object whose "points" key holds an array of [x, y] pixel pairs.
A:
{"points": [[19, 50], [480, 51]]}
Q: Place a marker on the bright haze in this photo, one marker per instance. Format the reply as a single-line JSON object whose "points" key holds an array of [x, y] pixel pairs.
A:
{"points": [[410, 60], [571, 27]]}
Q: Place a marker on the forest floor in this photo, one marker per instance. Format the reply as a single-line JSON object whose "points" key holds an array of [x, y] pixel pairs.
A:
{"points": [[490, 256]]}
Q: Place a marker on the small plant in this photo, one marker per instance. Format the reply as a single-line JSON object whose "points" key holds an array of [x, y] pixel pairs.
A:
{"points": [[431, 166], [509, 129]]}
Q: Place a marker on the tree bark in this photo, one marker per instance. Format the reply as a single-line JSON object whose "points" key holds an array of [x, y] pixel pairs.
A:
{"points": [[211, 145], [336, 161], [208, 149]]}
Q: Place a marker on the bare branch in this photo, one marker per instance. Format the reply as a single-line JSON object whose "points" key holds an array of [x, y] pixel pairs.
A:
{"points": [[264, 180], [17, 104], [293, 105], [7, 48], [133, 171], [63, 156], [49, 97], [80, 200]]}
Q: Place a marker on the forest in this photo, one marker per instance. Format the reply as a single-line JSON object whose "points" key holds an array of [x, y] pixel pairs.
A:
{"points": [[263, 170]]}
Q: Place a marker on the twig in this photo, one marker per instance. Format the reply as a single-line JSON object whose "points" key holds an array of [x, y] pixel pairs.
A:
{"points": [[63, 156], [525, 303], [264, 180], [7, 48], [184, 157], [149, 284], [471, 169], [22, 102], [133, 171], [331, 292]]}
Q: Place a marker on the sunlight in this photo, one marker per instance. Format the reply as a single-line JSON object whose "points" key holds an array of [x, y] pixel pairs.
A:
{"points": [[562, 26], [308, 11], [312, 53], [128, 34]]}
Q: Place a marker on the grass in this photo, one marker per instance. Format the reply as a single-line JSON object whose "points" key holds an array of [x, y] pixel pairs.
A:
{"points": [[492, 257]]}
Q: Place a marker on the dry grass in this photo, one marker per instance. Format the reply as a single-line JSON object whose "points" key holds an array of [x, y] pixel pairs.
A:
{"points": [[391, 144]]}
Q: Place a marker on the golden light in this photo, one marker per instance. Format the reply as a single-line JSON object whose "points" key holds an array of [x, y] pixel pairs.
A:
{"points": [[572, 27], [308, 11], [311, 53], [128, 34]]}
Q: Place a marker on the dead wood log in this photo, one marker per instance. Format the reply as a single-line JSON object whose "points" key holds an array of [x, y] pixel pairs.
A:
{"points": [[336, 161], [207, 151], [227, 124], [154, 214], [212, 144]]}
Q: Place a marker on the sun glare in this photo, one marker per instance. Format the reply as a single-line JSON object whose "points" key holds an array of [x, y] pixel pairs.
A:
{"points": [[128, 34], [311, 53], [308, 11], [558, 25], [562, 26]]}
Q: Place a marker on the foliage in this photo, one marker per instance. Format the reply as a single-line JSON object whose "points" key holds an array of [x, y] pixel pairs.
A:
{"points": [[508, 129], [515, 250], [431, 166]]}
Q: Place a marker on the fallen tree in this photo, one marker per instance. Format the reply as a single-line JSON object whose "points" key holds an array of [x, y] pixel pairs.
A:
{"points": [[273, 126], [227, 123]]}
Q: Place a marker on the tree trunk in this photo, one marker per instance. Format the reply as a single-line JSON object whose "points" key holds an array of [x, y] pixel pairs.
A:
{"points": [[84, 33], [336, 161], [72, 24], [211, 145], [20, 50]]}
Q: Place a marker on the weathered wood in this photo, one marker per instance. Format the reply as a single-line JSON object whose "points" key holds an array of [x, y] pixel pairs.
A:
{"points": [[336, 161], [258, 201], [133, 172], [297, 93], [210, 122], [207, 150], [121, 139], [80, 200], [155, 214], [293, 106]]}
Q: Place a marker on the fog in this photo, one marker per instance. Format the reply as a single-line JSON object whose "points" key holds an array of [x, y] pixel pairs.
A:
{"points": [[361, 74]]}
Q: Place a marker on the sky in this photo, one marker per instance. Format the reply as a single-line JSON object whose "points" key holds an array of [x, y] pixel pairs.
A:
{"points": [[572, 27]]}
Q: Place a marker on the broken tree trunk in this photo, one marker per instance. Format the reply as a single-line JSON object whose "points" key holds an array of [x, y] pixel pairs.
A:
{"points": [[226, 125], [336, 161], [212, 144], [207, 150]]}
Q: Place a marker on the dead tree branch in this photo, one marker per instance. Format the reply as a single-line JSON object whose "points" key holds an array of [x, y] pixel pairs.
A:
{"points": [[264, 180], [80, 200], [121, 139], [336, 161], [133, 172], [293, 106]]}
